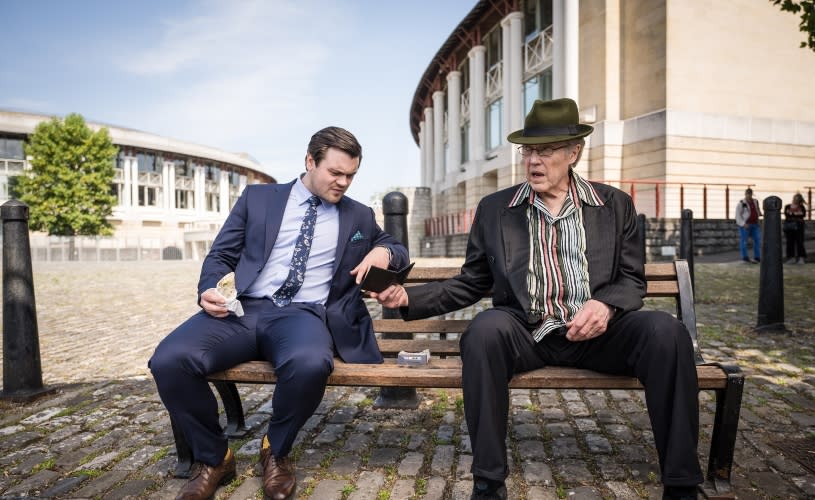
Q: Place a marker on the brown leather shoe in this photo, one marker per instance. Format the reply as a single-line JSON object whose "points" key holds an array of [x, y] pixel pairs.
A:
{"points": [[278, 476], [206, 479]]}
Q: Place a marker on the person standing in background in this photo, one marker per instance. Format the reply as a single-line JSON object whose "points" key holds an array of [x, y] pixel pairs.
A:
{"points": [[747, 214], [794, 215]]}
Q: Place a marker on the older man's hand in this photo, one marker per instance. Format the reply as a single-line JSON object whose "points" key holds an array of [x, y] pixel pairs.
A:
{"points": [[590, 321], [393, 297]]}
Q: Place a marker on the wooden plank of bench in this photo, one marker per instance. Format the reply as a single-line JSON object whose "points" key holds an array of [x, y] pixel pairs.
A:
{"points": [[446, 373], [660, 271]]}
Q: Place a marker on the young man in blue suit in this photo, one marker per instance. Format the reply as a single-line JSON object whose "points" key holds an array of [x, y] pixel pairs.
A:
{"points": [[562, 259], [298, 251]]}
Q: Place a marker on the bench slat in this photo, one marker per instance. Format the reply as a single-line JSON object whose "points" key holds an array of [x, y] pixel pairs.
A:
{"points": [[658, 271], [446, 373]]}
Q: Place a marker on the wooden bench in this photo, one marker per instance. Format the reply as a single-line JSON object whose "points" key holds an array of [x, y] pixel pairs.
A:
{"points": [[670, 280]]}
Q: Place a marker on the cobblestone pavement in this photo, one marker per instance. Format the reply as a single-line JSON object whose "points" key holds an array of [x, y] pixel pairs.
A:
{"points": [[104, 432]]}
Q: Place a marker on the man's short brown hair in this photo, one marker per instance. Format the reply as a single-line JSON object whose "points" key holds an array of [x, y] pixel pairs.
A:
{"points": [[333, 137]]}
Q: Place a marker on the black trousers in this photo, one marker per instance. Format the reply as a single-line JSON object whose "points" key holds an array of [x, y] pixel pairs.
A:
{"points": [[294, 339], [651, 345], [795, 242]]}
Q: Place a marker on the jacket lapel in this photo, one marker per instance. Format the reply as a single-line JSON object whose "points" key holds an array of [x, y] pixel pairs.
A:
{"points": [[344, 234], [515, 236], [274, 216]]}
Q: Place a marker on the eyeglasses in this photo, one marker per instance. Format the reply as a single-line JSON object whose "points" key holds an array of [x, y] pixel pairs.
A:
{"points": [[543, 152]]}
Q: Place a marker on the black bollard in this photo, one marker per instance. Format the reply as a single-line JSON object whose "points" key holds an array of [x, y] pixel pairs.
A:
{"points": [[22, 374], [771, 278], [395, 209], [686, 250], [641, 232]]}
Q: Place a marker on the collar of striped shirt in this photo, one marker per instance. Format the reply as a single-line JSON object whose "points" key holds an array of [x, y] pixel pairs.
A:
{"points": [[580, 190]]}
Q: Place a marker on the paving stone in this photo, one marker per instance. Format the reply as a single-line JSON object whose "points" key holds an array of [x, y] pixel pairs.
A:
{"points": [[368, 486], [62, 487], [132, 489], [565, 447], [381, 457], [97, 486], [597, 444], [391, 437], [537, 473], [434, 489], [526, 431], [249, 489], [572, 472], [402, 488], [442, 460], [464, 467], [532, 449], [357, 442], [345, 464], [329, 489], [331, 433], [411, 464], [32, 485]]}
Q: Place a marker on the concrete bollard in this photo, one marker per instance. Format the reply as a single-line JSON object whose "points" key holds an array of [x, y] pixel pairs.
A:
{"points": [[395, 209], [686, 250], [22, 373], [771, 277]]}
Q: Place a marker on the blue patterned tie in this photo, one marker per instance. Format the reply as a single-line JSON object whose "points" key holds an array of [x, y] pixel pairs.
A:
{"points": [[297, 268]]}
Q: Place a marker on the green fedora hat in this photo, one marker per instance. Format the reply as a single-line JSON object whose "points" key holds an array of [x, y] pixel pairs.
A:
{"points": [[551, 121]]}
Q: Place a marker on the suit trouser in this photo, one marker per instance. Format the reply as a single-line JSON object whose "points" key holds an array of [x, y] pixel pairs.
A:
{"points": [[651, 345], [294, 339]]}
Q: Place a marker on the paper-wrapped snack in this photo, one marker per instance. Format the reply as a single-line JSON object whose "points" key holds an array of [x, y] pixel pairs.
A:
{"points": [[226, 287]]}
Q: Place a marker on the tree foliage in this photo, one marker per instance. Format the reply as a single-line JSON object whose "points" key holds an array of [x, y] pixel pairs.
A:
{"points": [[67, 188], [806, 8]]}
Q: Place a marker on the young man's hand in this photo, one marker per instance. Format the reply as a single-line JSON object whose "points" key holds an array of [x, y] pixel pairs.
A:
{"points": [[378, 256]]}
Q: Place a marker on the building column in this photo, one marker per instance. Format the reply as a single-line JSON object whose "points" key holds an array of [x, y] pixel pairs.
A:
{"points": [[478, 115], [438, 135], [566, 19], [516, 57], [134, 175], [169, 182], [223, 193], [200, 205], [127, 173], [610, 155], [429, 153], [422, 154], [506, 77], [454, 120]]}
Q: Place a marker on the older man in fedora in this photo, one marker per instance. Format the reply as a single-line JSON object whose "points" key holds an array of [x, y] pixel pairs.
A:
{"points": [[563, 260]]}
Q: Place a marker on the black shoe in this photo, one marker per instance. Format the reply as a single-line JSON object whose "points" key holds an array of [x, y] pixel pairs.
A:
{"points": [[488, 489], [679, 493]]}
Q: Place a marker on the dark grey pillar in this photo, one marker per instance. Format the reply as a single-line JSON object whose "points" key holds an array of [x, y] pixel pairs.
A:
{"points": [[686, 250], [395, 209], [641, 231], [771, 279], [22, 374]]}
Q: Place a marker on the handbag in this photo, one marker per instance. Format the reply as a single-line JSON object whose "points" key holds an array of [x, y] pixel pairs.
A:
{"points": [[790, 225]]}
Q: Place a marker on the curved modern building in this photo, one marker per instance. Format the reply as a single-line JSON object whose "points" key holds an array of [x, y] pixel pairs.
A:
{"points": [[691, 100], [171, 194]]}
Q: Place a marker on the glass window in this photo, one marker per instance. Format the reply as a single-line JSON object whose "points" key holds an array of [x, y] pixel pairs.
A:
{"points": [[11, 148], [147, 162], [213, 173], [537, 87], [494, 135], [493, 44], [537, 17]]}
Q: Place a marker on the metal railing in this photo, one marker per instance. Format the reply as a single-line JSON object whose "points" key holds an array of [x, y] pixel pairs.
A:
{"points": [[651, 198]]}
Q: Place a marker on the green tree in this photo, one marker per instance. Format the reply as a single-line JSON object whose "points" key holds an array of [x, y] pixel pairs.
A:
{"points": [[806, 8], [67, 188]]}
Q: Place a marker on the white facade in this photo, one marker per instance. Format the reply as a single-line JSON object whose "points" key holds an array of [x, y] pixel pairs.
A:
{"points": [[171, 192]]}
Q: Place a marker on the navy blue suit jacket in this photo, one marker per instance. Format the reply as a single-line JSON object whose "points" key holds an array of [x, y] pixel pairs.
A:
{"points": [[246, 240]]}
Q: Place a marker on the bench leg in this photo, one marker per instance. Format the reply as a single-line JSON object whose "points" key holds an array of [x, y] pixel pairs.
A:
{"points": [[235, 423], [723, 441], [184, 465]]}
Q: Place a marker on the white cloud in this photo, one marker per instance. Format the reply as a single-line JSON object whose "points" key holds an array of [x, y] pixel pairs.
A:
{"points": [[238, 73]]}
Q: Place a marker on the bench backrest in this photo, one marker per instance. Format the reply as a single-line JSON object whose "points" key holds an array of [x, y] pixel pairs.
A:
{"points": [[671, 279]]}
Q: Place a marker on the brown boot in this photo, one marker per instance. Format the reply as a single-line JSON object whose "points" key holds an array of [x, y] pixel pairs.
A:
{"points": [[278, 476], [206, 479]]}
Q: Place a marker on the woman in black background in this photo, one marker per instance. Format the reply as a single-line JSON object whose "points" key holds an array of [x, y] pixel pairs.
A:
{"points": [[794, 214]]}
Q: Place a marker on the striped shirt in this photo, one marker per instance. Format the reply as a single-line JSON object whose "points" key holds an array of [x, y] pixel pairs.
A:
{"points": [[558, 274]]}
